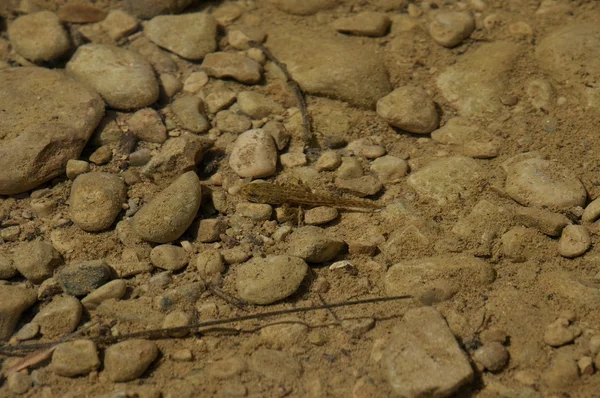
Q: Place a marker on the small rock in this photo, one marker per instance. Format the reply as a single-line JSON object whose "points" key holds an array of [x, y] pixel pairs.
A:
{"points": [[96, 199], [542, 183], [293, 159], [150, 8], [36, 260], [278, 132], [467, 138], [492, 356], [13, 301], [560, 332], [101, 155], [138, 158], [363, 149], [60, 317], [39, 37], [169, 85], [177, 319], [80, 13], [231, 122], [313, 246], [19, 383], [545, 221], [254, 154], [232, 65], [254, 211], [112, 290], [266, 280], [219, 100], [350, 168], [75, 358], [239, 36], [518, 243], [450, 28], [275, 365], [119, 24], [195, 81], [178, 155], [422, 357], [148, 126], [82, 278], [10, 234], [7, 268], [76, 167], [129, 359], [169, 257], [167, 216], [192, 36], [256, 105], [28, 331], [210, 230], [328, 161], [122, 77], [574, 241], [190, 113], [409, 108], [592, 211], [235, 255], [586, 366], [389, 169], [183, 355], [367, 23], [320, 215], [361, 186], [594, 345], [209, 263]]}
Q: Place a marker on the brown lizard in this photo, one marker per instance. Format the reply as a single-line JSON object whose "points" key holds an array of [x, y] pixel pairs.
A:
{"points": [[273, 194]]}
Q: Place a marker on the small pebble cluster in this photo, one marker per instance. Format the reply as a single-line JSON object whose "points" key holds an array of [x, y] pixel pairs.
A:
{"points": [[128, 132]]}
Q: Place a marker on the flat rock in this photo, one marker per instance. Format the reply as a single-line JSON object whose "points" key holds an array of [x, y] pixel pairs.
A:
{"points": [[39, 36], [543, 183], [47, 120], [434, 279], [36, 260], [150, 8], [190, 113], [231, 122], [82, 278], [335, 67], [467, 138], [257, 105], [232, 65], [266, 280], [366, 23], [447, 179], [389, 169], [191, 36], [75, 358], [477, 82], [129, 359], [409, 108], [80, 13], [122, 77], [169, 257], [254, 154], [96, 200], [422, 357], [111, 290], [312, 245], [59, 317], [305, 7], [167, 216], [13, 301], [178, 155]]}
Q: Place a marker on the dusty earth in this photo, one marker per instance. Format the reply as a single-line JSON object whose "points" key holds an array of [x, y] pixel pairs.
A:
{"points": [[129, 129]]}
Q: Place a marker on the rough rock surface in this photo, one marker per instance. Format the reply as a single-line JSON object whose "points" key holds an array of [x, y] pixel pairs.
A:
{"points": [[13, 301]]}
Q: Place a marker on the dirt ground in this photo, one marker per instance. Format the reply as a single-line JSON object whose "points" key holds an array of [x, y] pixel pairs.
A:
{"points": [[541, 105]]}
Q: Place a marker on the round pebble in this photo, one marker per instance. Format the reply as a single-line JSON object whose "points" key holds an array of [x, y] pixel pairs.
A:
{"points": [[13, 301], [60, 317], [389, 169], [256, 105], [167, 216], [209, 263], [254, 154], [96, 200], [544, 183], [574, 241], [492, 356], [39, 37], [266, 280], [129, 359], [122, 77], [190, 36], [169, 257], [320, 215], [82, 278], [409, 108], [112, 290], [189, 112], [75, 358], [36, 260], [312, 245], [232, 65], [7, 269], [450, 28]]}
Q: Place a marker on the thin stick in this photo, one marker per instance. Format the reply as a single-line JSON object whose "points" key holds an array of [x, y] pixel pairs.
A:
{"points": [[166, 333], [306, 122]]}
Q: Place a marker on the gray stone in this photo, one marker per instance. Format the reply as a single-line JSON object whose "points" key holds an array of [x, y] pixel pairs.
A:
{"points": [[232, 65], [75, 358], [47, 118], [39, 36], [96, 200], [13, 301], [59, 317], [422, 357], [190, 113], [122, 77], [266, 280], [36, 260], [190, 36], [312, 245], [82, 278], [129, 359], [167, 216]]}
